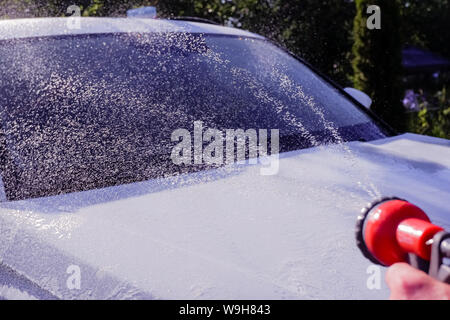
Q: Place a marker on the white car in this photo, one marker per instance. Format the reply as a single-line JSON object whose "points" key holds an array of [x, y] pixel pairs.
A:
{"points": [[113, 184]]}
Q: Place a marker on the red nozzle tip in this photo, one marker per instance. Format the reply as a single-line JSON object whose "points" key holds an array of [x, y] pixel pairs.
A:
{"points": [[412, 235]]}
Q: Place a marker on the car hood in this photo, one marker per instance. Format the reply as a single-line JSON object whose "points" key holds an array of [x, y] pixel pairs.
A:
{"points": [[227, 233]]}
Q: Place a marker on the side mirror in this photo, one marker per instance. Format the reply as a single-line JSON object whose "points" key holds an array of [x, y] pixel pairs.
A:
{"points": [[360, 96]]}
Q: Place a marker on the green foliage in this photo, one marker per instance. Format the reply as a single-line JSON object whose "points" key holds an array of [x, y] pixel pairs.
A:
{"points": [[377, 60], [431, 122], [434, 122]]}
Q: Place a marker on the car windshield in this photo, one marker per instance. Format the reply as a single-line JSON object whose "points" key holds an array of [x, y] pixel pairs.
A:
{"points": [[86, 111]]}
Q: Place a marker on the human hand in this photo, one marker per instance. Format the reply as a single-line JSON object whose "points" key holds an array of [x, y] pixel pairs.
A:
{"points": [[408, 283]]}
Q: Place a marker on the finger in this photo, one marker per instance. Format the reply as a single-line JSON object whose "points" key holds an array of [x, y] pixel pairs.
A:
{"points": [[406, 282]]}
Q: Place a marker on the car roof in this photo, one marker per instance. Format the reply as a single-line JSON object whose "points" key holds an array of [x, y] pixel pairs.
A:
{"points": [[40, 27]]}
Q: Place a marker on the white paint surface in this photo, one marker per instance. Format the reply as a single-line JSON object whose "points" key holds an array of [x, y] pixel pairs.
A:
{"points": [[39, 27]]}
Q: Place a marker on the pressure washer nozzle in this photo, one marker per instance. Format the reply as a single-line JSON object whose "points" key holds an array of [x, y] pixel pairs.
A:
{"points": [[390, 229]]}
